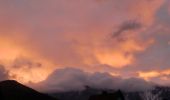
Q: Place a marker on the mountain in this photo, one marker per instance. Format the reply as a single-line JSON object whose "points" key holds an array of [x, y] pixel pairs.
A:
{"points": [[12, 90]]}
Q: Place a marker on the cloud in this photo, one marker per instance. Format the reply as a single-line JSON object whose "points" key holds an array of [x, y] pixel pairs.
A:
{"points": [[71, 79], [23, 62], [64, 33], [26, 70]]}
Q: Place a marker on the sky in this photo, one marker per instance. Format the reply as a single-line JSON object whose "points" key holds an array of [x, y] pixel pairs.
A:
{"points": [[124, 39]]}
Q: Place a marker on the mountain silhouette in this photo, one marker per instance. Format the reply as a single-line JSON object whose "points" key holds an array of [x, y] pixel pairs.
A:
{"points": [[12, 90]]}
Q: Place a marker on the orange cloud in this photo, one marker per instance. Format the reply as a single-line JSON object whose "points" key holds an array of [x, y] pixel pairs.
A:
{"points": [[121, 54], [10, 50], [152, 74]]}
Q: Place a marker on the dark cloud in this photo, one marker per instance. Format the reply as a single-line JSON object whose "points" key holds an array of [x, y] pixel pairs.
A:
{"points": [[70, 79], [3, 73], [127, 26]]}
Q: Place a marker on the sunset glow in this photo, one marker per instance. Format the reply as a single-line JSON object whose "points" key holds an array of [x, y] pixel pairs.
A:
{"points": [[125, 38]]}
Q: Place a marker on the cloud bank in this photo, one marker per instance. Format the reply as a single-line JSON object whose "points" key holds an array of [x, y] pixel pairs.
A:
{"points": [[70, 79]]}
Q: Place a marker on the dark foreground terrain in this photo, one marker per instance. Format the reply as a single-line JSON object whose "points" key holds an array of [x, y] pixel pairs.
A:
{"points": [[12, 90], [90, 94], [157, 93]]}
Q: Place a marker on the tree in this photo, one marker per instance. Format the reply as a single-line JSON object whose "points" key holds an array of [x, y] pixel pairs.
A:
{"points": [[149, 95]]}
